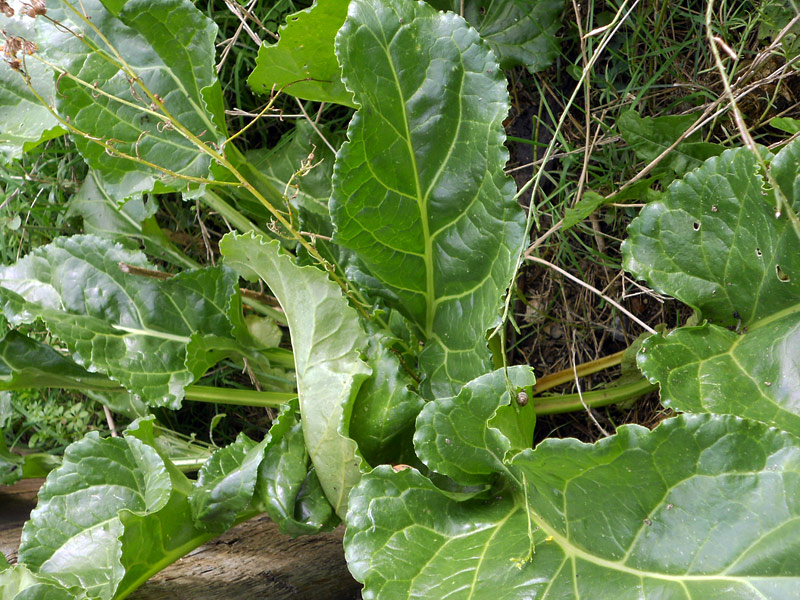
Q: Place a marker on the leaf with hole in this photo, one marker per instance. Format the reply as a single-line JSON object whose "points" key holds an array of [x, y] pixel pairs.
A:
{"points": [[715, 243], [695, 509]]}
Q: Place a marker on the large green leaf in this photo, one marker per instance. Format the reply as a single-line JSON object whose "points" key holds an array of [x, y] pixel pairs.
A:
{"points": [[650, 136], [419, 190], [73, 532], [19, 583], [154, 337], [114, 513], [469, 437], [326, 339], [701, 508], [169, 47], [303, 62], [519, 32], [715, 243], [24, 120], [225, 484]]}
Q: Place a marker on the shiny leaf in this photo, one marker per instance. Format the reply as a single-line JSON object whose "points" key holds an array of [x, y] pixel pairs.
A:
{"points": [[169, 48], [694, 510], [715, 243], [302, 63], [419, 191], [134, 218], [154, 337], [73, 532], [25, 121], [287, 488]]}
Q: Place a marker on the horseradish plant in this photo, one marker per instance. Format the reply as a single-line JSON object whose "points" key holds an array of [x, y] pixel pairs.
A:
{"points": [[399, 425]]}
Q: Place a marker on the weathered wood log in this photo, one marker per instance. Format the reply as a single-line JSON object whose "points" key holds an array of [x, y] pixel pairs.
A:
{"points": [[252, 561]]}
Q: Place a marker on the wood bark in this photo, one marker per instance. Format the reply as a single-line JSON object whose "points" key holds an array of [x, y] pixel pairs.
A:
{"points": [[250, 562]]}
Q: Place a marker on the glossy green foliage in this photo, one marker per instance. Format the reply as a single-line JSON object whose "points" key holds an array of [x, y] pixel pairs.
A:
{"points": [[419, 192], [26, 363], [136, 61], [302, 63], [24, 120], [692, 510], [519, 32], [715, 243], [154, 337], [287, 487]]}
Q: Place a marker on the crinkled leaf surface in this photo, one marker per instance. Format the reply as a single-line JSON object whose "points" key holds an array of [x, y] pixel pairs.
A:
{"points": [[326, 339], [155, 337], [419, 190], [73, 532], [714, 243], [305, 52], [459, 437], [701, 508], [650, 136], [519, 32], [169, 46], [287, 488], [385, 408], [26, 363], [225, 484]]}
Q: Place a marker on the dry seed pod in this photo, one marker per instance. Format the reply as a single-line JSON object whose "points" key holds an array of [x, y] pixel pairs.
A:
{"points": [[34, 9]]}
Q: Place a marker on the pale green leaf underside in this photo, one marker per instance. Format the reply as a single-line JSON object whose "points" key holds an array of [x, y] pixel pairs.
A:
{"points": [[154, 337], [305, 52], [520, 32], [170, 47], [701, 508], [715, 243], [419, 190], [326, 339]]}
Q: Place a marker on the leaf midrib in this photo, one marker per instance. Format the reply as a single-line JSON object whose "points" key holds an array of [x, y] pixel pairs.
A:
{"points": [[572, 551], [430, 308]]}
